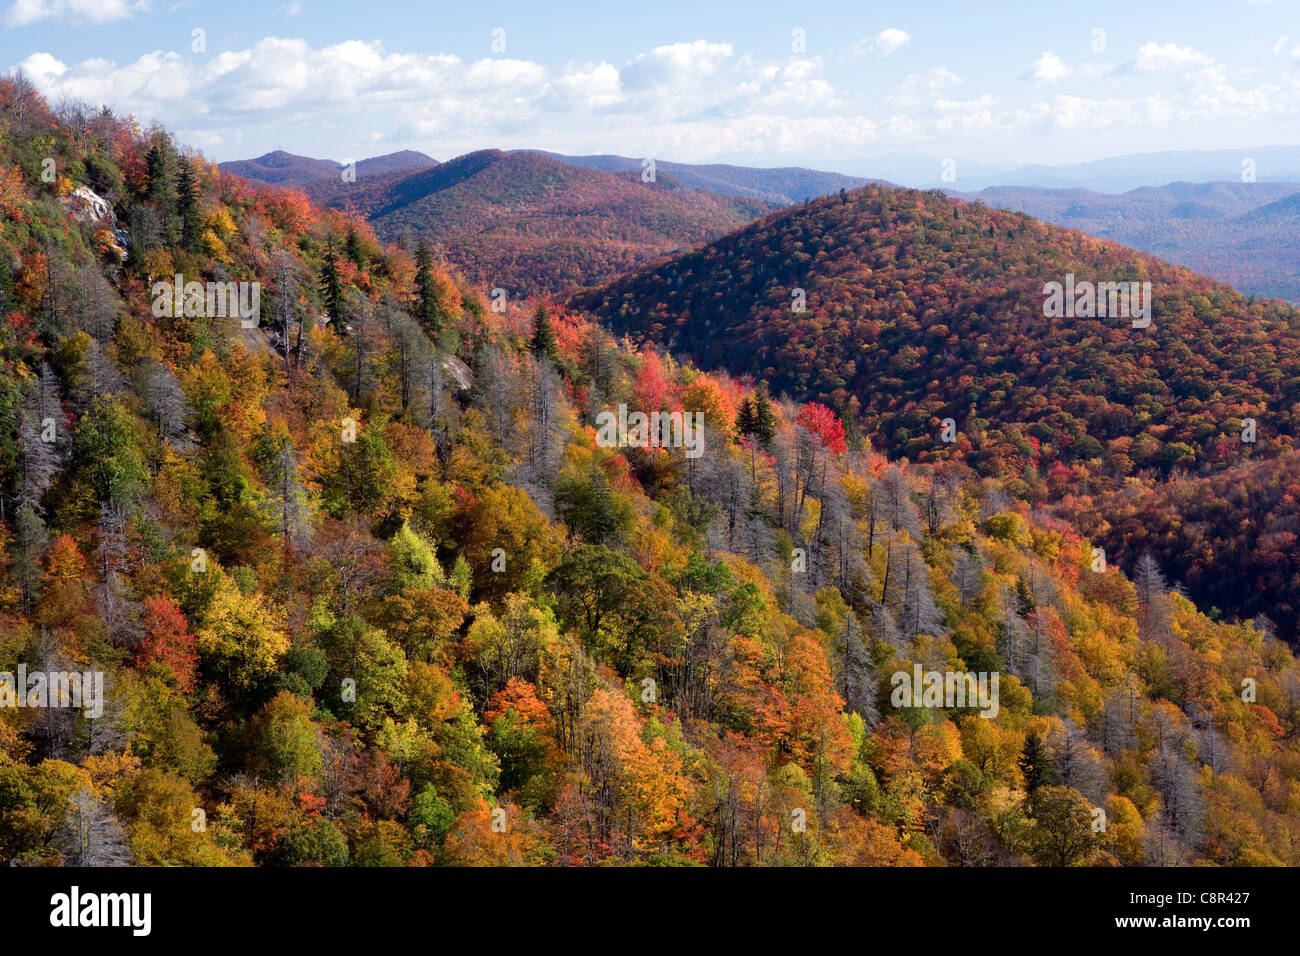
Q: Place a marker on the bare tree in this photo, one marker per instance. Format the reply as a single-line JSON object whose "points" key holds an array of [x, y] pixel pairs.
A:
{"points": [[91, 835], [167, 404], [41, 417]]}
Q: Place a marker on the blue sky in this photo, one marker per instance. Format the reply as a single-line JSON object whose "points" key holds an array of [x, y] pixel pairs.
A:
{"points": [[1004, 83]]}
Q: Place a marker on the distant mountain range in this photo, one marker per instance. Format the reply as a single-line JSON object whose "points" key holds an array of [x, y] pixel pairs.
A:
{"points": [[523, 221], [780, 186], [1114, 174], [294, 172], [1240, 233], [541, 222]]}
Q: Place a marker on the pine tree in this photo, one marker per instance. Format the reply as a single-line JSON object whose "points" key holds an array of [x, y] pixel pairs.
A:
{"points": [[764, 420], [331, 290], [1036, 765], [543, 342], [187, 206], [161, 166], [426, 293], [352, 248], [745, 420]]}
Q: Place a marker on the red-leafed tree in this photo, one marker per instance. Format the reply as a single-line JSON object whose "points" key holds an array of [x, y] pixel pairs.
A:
{"points": [[825, 425], [168, 641]]}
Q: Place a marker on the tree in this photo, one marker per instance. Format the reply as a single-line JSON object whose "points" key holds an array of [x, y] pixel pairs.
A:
{"points": [[764, 420], [352, 248], [241, 634], [105, 452], [331, 290], [746, 422], [426, 291], [1062, 832], [187, 205], [168, 642], [91, 835], [543, 340], [824, 425], [590, 508], [1036, 766], [285, 739]]}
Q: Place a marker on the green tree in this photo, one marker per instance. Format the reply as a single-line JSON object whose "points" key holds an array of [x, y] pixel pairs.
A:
{"points": [[1036, 765], [1062, 834], [426, 291], [590, 508], [187, 206], [331, 289], [746, 422], [285, 739], [106, 453], [353, 249], [543, 341], [764, 420]]}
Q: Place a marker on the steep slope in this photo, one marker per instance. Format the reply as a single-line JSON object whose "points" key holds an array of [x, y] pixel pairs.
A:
{"points": [[920, 308]]}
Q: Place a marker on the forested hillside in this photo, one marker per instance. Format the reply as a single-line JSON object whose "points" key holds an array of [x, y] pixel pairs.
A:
{"points": [[1236, 232], [367, 588], [919, 308], [527, 223]]}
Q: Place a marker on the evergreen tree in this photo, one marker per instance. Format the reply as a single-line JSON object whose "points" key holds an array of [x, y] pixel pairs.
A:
{"points": [[331, 290], [155, 162], [1036, 765], [352, 249], [426, 293], [187, 206], [764, 420], [160, 163], [746, 422], [1025, 598], [543, 342]]}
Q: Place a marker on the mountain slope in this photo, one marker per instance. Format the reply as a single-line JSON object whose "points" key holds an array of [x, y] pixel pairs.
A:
{"points": [[608, 643], [921, 308], [1204, 226], [527, 223], [296, 172], [779, 186]]}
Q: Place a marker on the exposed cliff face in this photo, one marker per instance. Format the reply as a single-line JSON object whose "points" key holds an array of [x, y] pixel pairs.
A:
{"points": [[86, 205]]}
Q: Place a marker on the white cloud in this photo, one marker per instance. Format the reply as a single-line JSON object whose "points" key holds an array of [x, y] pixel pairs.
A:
{"points": [[1152, 57], [675, 65], [593, 86], [1049, 68], [694, 101], [885, 42], [939, 77], [76, 12]]}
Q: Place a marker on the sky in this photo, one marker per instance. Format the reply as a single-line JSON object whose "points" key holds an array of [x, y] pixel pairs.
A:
{"points": [[758, 82]]}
